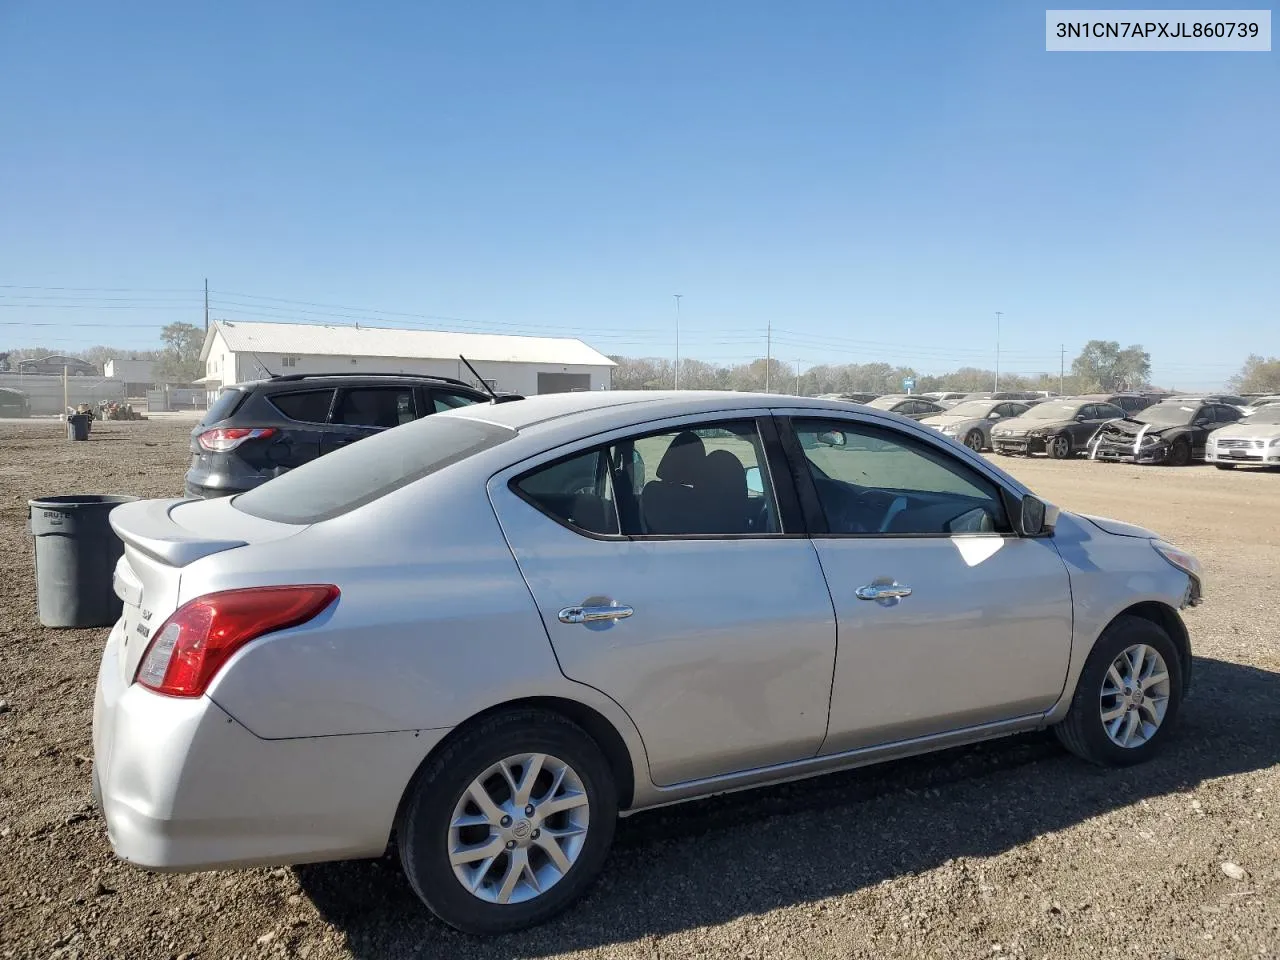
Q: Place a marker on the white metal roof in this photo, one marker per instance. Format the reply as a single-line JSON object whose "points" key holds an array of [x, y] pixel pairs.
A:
{"points": [[352, 341]]}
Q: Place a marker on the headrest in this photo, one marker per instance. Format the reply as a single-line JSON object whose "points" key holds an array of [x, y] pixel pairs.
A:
{"points": [[682, 463]]}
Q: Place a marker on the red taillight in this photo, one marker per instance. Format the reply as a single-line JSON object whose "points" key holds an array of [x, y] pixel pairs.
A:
{"points": [[190, 647], [228, 438]]}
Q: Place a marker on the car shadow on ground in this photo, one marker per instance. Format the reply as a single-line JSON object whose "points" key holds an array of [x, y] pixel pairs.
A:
{"points": [[710, 861]]}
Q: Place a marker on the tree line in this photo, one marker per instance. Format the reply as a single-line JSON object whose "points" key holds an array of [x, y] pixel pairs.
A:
{"points": [[1101, 366]]}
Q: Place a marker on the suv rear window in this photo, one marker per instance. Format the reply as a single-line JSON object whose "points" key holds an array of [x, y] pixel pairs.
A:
{"points": [[363, 472], [311, 406], [224, 406]]}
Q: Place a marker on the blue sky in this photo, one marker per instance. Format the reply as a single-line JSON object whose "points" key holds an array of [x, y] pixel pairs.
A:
{"points": [[875, 180]]}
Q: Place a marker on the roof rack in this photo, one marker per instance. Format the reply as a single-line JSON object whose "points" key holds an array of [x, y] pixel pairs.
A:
{"points": [[283, 378]]}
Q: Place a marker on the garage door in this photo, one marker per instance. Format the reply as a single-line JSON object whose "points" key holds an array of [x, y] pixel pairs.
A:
{"points": [[563, 382]]}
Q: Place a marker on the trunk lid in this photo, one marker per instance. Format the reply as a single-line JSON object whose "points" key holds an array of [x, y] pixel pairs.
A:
{"points": [[160, 538]]}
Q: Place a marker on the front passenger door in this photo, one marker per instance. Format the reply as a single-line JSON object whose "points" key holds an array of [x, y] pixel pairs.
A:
{"points": [[981, 632]]}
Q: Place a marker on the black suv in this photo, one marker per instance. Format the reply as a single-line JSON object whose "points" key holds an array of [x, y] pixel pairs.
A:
{"points": [[258, 430]]}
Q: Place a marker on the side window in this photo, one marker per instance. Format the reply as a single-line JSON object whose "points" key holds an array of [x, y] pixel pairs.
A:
{"points": [[375, 407], [699, 481], [1110, 411], [442, 401], [1229, 414], [1016, 409], [1090, 412], [309, 406], [875, 481], [577, 491], [1206, 414]]}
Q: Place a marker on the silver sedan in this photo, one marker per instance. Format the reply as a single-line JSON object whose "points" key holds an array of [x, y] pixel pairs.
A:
{"points": [[489, 632], [970, 422]]}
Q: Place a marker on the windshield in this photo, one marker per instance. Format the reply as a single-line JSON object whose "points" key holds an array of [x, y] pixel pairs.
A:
{"points": [[885, 403], [363, 472], [1269, 414], [1052, 411], [970, 408], [1168, 414]]}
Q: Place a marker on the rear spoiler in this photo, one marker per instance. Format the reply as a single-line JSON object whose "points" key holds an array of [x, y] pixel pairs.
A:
{"points": [[146, 527]]}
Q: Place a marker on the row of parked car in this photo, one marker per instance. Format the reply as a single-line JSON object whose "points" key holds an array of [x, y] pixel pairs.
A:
{"points": [[1223, 429]]}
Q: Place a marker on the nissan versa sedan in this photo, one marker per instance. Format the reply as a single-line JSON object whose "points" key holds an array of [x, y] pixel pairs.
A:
{"points": [[486, 633]]}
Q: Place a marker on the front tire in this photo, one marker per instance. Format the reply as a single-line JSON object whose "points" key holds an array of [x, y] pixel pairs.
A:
{"points": [[973, 440], [1179, 454], [1127, 698], [510, 824], [1225, 466], [1059, 447]]}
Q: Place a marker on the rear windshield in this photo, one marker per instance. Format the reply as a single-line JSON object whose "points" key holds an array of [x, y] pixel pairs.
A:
{"points": [[362, 472], [224, 406]]}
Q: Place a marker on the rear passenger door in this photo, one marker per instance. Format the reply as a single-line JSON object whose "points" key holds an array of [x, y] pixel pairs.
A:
{"points": [[668, 577], [306, 415], [360, 412]]}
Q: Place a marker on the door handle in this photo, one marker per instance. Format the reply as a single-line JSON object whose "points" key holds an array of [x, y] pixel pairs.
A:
{"points": [[882, 591], [596, 613]]}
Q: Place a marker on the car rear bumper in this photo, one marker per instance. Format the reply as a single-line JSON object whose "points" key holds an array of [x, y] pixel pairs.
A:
{"points": [[184, 786]]}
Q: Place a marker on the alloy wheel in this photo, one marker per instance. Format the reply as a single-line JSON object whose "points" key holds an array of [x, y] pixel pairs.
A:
{"points": [[1135, 696], [973, 440], [518, 828], [1061, 447]]}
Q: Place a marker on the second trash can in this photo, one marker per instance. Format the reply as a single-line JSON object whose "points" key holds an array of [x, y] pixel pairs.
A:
{"points": [[78, 426], [76, 554]]}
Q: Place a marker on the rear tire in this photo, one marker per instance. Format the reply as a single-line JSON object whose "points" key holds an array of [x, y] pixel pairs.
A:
{"points": [[1059, 447], [429, 827], [1084, 731]]}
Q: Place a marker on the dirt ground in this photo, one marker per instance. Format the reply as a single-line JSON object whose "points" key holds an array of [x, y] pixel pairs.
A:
{"points": [[1011, 849]]}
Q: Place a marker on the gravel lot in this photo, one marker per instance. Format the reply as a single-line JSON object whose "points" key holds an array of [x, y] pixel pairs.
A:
{"points": [[1012, 849]]}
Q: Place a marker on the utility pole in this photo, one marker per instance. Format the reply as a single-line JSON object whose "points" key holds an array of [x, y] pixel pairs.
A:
{"points": [[797, 378], [206, 304], [677, 296], [1062, 367], [768, 355], [998, 316]]}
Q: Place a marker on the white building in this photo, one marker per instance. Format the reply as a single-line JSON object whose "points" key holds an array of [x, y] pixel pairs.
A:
{"points": [[131, 371], [236, 351]]}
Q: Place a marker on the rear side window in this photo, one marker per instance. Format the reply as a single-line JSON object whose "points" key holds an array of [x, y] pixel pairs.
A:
{"points": [[363, 472], [308, 406], [449, 401], [375, 407], [223, 406]]}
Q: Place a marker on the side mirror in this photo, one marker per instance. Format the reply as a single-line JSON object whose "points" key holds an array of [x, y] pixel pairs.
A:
{"points": [[755, 482], [1081, 418], [1037, 518], [832, 438]]}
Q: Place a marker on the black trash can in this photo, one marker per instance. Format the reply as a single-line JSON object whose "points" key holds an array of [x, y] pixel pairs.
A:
{"points": [[78, 426], [76, 553]]}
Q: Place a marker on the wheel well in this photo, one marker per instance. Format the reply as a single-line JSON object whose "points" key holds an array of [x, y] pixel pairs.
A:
{"points": [[1167, 619], [597, 727]]}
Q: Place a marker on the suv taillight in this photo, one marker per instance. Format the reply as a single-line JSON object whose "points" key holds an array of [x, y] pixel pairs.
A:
{"points": [[190, 647], [225, 439]]}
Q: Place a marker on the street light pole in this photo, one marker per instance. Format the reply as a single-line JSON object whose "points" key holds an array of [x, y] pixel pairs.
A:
{"points": [[998, 316], [677, 296]]}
